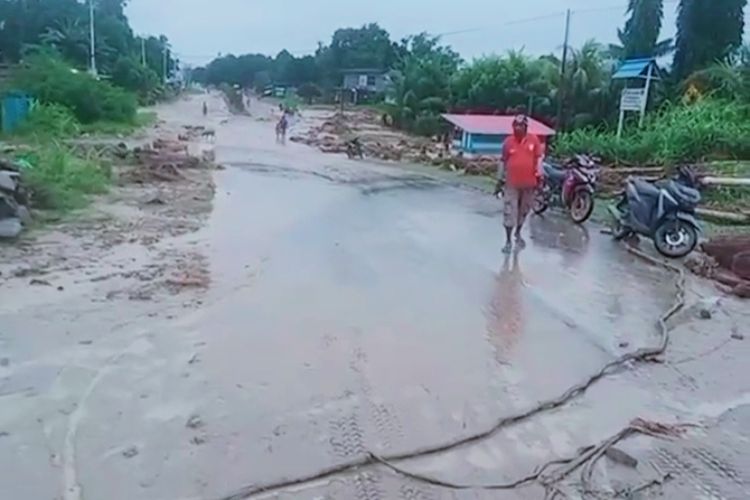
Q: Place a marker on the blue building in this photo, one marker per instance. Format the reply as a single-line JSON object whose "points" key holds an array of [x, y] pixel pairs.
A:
{"points": [[485, 134]]}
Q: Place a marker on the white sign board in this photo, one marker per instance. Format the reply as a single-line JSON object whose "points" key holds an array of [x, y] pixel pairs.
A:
{"points": [[363, 81], [633, 100]]}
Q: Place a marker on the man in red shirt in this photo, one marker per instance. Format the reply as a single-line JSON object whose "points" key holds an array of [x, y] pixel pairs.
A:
{"points": [[520, 170]]}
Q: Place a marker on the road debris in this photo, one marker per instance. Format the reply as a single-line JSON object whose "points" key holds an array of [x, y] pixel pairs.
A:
{"points": [[199, 440], [130, 452], [622, 458], [194, 422], [725, 260], [549, 480], [164, 161]]}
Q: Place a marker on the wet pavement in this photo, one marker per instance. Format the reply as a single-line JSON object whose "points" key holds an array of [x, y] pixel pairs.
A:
{"points": [[359, 307]]}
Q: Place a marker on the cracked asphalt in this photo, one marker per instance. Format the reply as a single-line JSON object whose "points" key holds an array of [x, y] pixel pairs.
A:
{"points": [[357, 306]]}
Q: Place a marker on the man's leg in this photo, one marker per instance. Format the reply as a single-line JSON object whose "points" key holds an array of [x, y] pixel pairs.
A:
{"points": [[510, 215], [525, 203]]}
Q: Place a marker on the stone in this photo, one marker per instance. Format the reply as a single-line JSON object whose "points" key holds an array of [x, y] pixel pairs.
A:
{"points": [[622, 458], [194, 422], [10, 228]]}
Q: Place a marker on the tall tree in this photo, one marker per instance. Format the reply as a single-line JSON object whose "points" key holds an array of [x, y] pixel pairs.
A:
{"points": [[707, 31], [640, 36]]}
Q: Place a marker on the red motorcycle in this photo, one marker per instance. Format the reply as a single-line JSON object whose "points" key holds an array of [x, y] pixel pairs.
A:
{"points": [[570, 187]]}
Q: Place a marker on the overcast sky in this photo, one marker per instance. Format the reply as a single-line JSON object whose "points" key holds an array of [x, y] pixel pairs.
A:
{"points": [[200, 29]]}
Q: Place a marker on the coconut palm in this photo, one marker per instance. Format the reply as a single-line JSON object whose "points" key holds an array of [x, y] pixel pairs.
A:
{"points": [[589, 84], [70, 38]]}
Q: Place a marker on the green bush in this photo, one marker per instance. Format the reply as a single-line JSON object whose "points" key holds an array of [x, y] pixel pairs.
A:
{"points": [[708, 129], [428, 124], [50, 120], [60, 180], [131, 75], [52, 81]]}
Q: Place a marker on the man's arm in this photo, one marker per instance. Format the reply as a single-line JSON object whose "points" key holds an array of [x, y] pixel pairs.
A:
{"points": [[501, 169]]}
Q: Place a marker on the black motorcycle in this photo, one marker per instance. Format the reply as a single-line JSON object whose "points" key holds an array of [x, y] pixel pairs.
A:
{"points": [[570, 187], [663, 211]]}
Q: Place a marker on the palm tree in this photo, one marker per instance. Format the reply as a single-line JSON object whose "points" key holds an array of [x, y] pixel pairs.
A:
{"points": [[589, 83], [706, 33], [70, 38]]}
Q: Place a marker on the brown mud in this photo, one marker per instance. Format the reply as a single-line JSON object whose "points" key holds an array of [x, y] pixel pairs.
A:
{"points": [[319, 309]]}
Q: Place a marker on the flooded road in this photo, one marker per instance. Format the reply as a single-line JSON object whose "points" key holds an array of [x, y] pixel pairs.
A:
{"points": [[359, 307]]}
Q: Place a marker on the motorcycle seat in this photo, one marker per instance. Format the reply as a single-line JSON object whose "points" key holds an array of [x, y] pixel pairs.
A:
{"points": [[553, 173], [645, 188], [684, 194]]}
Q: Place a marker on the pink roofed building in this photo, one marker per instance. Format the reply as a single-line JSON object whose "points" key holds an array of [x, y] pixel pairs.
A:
{"points": [[485, 134]]}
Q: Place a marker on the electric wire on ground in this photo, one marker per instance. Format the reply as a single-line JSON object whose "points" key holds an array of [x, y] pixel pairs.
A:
{"points": [[586, 460]]}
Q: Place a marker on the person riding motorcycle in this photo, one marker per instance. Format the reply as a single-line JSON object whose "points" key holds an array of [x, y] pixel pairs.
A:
{"points": [[354, 148]]}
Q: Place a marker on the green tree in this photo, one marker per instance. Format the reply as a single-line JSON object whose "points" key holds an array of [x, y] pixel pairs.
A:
{"points": [[309, 91], [590, 97], [70, 38], [64, 26], [420, 87], [130, 74], [368, 47], [640, 36], [706, 33], [507, 83]]}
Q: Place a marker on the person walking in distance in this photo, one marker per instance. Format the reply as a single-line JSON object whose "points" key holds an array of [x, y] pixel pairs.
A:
{"points": [[519, 174]]}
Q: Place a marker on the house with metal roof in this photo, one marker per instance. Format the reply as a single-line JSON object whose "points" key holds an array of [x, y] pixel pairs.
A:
{"points": [[365, 80], [485, 134]]}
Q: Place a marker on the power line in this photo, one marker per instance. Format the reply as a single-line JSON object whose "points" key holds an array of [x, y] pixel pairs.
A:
{"points": [[507, 23], [555, 15]]}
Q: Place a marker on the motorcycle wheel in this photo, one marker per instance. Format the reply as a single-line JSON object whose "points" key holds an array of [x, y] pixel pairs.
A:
{"points": [[541, 202], [582, 206], [675, 239]]}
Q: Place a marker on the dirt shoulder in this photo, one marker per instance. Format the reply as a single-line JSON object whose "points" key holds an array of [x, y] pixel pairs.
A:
{"points": [[162, 189]]}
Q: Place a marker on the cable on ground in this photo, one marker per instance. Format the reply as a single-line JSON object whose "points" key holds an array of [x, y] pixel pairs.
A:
{"points": [[587, 459]]}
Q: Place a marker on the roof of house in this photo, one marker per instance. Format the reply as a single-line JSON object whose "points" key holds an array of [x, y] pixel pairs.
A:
{"points": [[637, 68], [362, 71], [495, 124]]}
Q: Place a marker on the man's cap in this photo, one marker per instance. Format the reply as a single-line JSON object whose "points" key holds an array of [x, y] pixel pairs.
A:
{"points": [[521, 120]]}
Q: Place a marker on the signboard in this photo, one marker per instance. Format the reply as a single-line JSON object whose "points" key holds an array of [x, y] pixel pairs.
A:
{"points": [[363, 81], [633, 100]]}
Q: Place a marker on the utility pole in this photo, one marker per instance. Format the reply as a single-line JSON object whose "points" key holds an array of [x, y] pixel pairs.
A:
{"points": [[143, 51], [92, 30], [166, 61], [561, 91]]}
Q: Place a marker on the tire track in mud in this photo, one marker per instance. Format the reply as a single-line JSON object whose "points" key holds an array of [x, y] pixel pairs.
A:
{"points": [[701, 471], [372, 424]]}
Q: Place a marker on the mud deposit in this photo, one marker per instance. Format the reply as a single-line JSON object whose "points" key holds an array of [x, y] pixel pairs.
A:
{"points": [[320, 308]]}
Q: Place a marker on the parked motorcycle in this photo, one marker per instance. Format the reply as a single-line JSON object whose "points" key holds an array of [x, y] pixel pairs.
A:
{"points": [[571, 188], [13, 203], [663, 211], [354, 149]]}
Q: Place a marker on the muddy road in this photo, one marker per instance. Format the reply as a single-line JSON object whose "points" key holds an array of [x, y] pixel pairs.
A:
{"points": [[349, 307]]}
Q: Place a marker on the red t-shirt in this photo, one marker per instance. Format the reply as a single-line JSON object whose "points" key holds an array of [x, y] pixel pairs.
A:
{"points": [[521, 159]]}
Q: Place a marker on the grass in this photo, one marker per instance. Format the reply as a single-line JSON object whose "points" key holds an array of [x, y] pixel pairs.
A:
{"points": [[143, 119], [61, 181], [728, 197], [709, 130]]}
